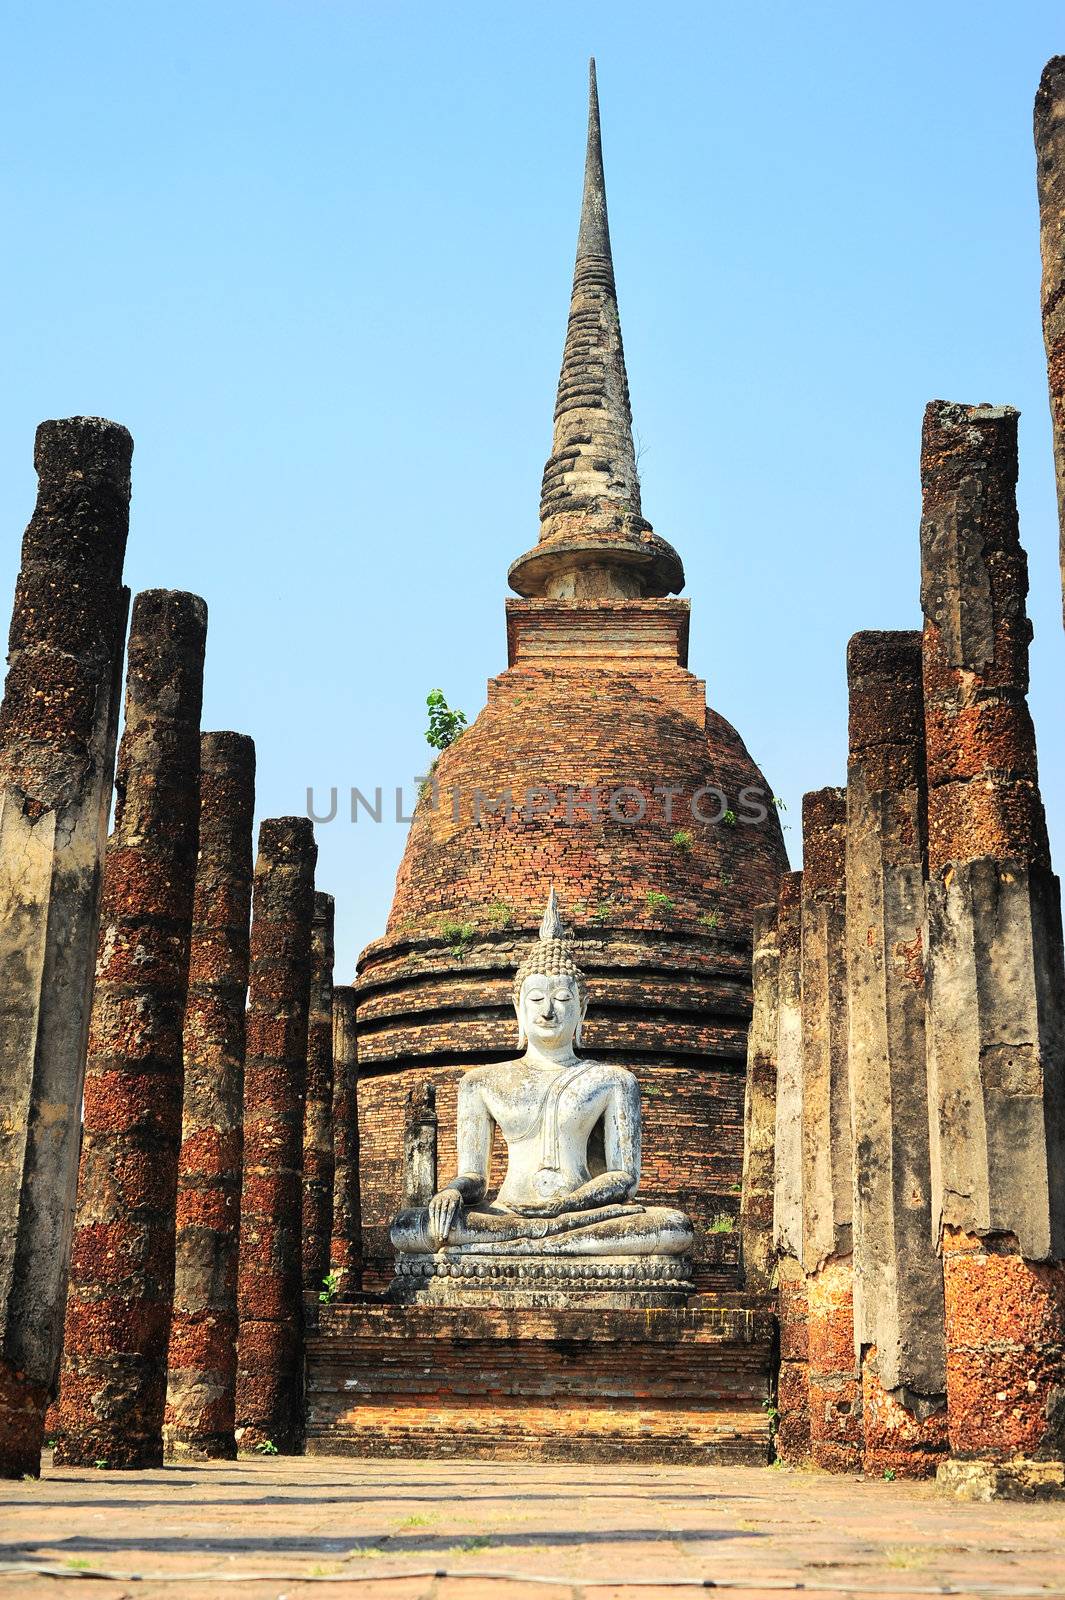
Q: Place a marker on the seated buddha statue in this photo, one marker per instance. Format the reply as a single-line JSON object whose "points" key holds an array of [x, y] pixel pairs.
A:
{"points": [[565, 1193]]}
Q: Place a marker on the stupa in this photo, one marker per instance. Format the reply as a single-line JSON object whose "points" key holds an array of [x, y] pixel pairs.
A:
{"points": [[598, 767]]}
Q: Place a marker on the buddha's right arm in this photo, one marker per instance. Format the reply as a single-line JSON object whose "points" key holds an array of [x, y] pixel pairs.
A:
{"points": [[474, 1138]]}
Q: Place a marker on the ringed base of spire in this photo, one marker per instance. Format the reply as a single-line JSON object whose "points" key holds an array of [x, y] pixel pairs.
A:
{"points": [[586, 567]]}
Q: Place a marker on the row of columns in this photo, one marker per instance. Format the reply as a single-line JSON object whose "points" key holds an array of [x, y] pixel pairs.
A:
{"points": [[185, 1000], [906, 1072]]}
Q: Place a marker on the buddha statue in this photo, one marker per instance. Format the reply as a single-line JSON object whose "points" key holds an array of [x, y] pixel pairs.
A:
{"points": [[572, 1131]]}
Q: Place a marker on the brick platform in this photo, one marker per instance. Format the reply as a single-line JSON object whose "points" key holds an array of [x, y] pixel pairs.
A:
{"points": [[658, 1385]]}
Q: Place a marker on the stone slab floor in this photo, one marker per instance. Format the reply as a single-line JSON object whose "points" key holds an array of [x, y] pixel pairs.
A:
{"points": [[261, 1530]]}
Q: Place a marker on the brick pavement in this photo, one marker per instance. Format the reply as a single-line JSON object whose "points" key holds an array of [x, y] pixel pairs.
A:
{"points": [[283, 1522]]}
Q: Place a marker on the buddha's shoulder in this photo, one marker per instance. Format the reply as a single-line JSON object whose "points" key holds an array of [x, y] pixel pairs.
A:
{"points": [[497, 1072], [610, 1072]]}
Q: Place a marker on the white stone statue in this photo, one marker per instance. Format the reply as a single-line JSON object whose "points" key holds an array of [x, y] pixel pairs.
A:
{"points": [[546, 1104]]}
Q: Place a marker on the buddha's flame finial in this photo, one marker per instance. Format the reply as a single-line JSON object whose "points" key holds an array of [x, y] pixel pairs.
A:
{"points": [[551, 954], [551, 923]]}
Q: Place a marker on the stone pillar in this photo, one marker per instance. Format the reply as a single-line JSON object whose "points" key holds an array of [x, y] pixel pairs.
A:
{"points": [[898, 1277], [1050, 176], [827, 1146], [269, 1406], [793, 1388], [58, 726], [419, 1146], [346, 1251], [996, 1031], [318, 1111], [760, 1107], [203, 1332], [113, 1388]]}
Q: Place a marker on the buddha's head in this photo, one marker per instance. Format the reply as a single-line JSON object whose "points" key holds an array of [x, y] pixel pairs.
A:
{"points": [[550, 997]]}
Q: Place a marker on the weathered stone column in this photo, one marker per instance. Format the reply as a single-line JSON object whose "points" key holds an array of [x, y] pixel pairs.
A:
{"points": [[203, 1333], [1050, 177], [996, 1032], [113, 1386], [269, 1406], [898, 1276], [346, 1252], [58, 726], [760, 1107], [318, 1111], [827, 1146], [793, 1396], [420, 1130]]}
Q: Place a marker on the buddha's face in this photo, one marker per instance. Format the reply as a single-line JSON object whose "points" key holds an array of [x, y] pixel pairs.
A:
{"points": [[550, 1011]]}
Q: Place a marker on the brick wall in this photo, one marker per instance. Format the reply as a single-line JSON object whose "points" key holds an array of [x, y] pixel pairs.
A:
{"points": [[672, 1385]]}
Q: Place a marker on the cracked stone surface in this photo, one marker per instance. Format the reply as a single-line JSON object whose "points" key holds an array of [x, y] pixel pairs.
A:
{"points": [[285, 1522]]}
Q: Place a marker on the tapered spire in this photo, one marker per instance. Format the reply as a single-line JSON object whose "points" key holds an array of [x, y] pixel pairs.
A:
{"points": [[593, 239], [594, 538]]}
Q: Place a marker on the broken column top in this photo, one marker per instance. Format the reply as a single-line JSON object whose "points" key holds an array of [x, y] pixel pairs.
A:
{"points": [[286, 838], [1050, 98], [80, 448], [824, 840], [974, 575], [765, 923], [166, 643], [223, 747], [591, 518], [69, 612], [886, 709], [983, 791]]}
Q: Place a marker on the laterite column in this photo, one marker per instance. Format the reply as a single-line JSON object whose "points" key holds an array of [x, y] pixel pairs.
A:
{"points": [[269, 1406], [58, 727], [898, 1276], [346, 1253], [996, 1030], [203, 1334], [793, 1397], [760, 1107], [318, 1112], [827, 1146], [1050, 173], [113, 1387]]}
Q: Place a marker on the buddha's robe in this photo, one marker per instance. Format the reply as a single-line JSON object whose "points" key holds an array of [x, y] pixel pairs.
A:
{"points": [[550, 1203]]}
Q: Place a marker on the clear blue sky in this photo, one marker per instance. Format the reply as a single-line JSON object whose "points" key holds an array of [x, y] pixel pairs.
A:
{"points": [[316, 255]]}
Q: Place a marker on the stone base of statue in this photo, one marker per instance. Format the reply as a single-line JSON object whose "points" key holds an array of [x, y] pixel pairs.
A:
{"points": [[593, 1382], [467, 1278]]}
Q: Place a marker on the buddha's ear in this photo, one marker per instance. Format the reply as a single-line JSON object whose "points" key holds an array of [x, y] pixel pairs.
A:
{"points": [[521, 1025], [580, 1022]]}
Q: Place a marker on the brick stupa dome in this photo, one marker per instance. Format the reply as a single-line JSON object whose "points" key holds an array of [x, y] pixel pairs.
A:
{"points": [[561, 781]]}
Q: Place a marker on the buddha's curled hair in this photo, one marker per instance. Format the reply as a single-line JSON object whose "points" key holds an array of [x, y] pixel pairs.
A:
{"points": [[551, 954]]}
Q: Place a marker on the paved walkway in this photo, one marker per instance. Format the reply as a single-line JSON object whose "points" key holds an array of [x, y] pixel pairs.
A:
{"points": [[263, 1530]]}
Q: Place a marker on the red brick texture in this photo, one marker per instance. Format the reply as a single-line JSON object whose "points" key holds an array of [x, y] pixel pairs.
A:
{"points": [[598, 1386], [835, 1387], [113, 1387], [318, 1111], [793, 1379], [1006, 1325], [23, 1405], [269, 1406], [203, 1336], [897, 1439]]}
